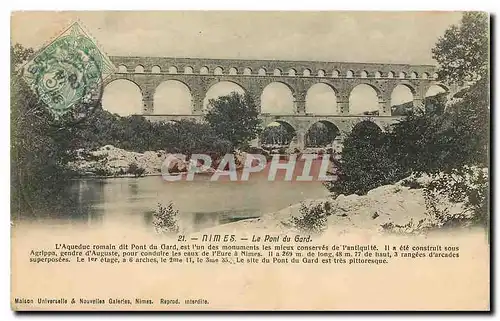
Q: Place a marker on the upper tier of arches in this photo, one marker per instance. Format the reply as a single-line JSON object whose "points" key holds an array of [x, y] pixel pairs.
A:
{"points": [[277, 72], [276, 68]]}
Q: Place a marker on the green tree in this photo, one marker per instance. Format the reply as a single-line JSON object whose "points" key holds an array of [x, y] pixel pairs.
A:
{"points": [[189, 137], [416, 145], [234, 118], [434, 141], [455, 145], [435, 104], [366, 162], [463, 55], [19, 55], [39, 149], [463, 52], [469, 121], [319, 135], [277, 135], [138, 134]]}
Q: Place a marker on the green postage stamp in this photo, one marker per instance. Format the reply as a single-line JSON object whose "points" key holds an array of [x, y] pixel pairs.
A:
{"points": [[67, 74]]}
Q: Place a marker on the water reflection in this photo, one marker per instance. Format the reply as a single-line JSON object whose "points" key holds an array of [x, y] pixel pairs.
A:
{"points": [[72, 204], [133, 188], [202, 220], [201, 203]]}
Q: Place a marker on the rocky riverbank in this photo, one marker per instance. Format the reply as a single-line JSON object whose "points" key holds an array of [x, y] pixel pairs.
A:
{"points": [[110, 161], [396, 208]]}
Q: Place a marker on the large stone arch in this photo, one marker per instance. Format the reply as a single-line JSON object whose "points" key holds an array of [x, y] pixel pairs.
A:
{"points": [[324, 136], [123, 96], [321, 99], [277, 138], [285, 123], [368, 126], [435, 97], [173, 97], [289, 84], [277, 97], [122, 69], [430, 92], [406, 84], [365, 99], [402, 99], [222, 88]]}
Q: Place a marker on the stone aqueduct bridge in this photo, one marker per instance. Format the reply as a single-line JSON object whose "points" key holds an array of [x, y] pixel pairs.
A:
{"points": [[254, 75]]}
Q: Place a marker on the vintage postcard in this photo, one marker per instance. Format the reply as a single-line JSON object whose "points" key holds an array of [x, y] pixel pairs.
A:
{"points": [[233, 160]]}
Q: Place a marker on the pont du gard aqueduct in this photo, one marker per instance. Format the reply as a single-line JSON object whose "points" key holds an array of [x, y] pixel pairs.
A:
{"points": [[254, 77]]}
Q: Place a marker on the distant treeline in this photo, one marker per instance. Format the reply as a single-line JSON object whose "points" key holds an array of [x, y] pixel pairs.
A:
{"points": [[136, 133]]}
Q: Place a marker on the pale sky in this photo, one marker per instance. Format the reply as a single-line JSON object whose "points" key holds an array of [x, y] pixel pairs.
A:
{"points": [[387, 37], [404, 37]]}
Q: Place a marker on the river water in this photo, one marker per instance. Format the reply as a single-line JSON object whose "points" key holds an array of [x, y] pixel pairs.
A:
{"points": [[201, 203]]}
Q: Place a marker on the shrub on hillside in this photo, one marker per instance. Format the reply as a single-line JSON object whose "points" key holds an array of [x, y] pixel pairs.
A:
{"points": [[468, 186], [102, 172], [312, 219], [135, 170], [165, 219]]}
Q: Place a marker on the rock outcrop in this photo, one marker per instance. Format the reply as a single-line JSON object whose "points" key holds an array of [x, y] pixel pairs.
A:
{"points": [[112, 161], [389, 205]]}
